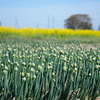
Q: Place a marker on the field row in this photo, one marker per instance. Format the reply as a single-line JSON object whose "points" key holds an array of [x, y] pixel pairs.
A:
{"points": [[49, 72]]}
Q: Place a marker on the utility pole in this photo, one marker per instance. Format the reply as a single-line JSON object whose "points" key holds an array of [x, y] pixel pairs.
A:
{"points": [[16, 23], [37, 25], [48, 21], [99, 27], [53, 22], [0, 23]]}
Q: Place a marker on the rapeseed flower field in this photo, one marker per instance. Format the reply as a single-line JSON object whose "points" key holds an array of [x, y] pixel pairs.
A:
{"points": [[56, 32]]}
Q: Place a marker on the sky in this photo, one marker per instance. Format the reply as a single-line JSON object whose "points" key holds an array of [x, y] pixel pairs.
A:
{"points": [[46, 13]]}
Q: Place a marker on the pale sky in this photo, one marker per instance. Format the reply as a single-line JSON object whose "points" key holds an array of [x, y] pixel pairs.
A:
{"points": [[35, 13]]}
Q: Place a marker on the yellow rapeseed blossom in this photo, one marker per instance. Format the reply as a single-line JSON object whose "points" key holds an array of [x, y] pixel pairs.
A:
{"points": [[29, 32]]}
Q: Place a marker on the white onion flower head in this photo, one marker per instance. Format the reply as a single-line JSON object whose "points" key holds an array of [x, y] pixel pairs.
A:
{"points": [[2, 65], [6, 55], [71, 57], [64, 59], [97, 66], [39, 68], [90, 60], [89, 74], [39, 58], [24, 79], [54, 55], [33, 65], [43, 49], [25, 68], [31, 70], [30, 59], [36, 72], [23, 63], [75, 64], [0, 52], [99, 57], [53, 74], [14, 55], [80, 58], [72, 65], [81, 67], [26, 51], [75, 69], [94, 58], [61, 52], [72, 54], [14, 49], [94, 52], [17, 64], [4, 72], [28, 74], [66, 53], [90, 57], [54, 80], [34, 76], [6, 68], [11, 63], [8, 60], [43, 64], [43, 60], [16, 69], [23, 56], [23, 49], [64, 68], [22, 74], [29, 64], [48, 67], [51, 62], [99, 51], [30, 52], [20, 56], [27, 56], [98, 62], [62, 56]]}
